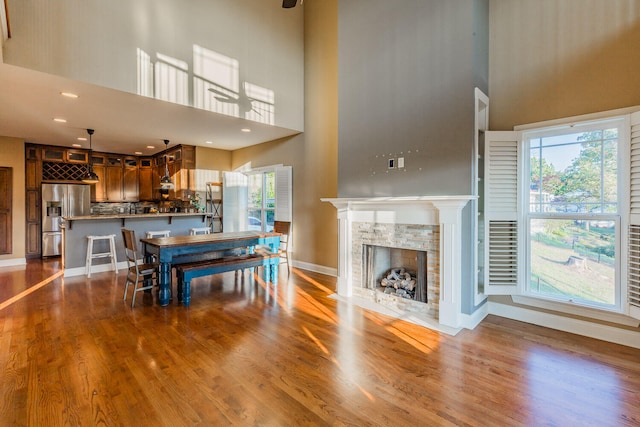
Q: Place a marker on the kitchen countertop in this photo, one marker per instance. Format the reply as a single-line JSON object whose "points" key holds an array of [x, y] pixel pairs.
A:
{"points": [[123, 217], [128, 216]]}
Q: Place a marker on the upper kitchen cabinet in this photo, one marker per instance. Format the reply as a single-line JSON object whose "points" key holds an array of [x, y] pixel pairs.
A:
{"points": [[145, 179], [181, 163], [99, 189], [130, 183]]}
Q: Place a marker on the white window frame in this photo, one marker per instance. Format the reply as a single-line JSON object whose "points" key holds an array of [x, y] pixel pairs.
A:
{"points": [[514, 216], [622, 123], [236, 198]]}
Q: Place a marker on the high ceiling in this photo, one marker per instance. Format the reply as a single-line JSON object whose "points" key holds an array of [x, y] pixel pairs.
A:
{"points": [[123, 122]]}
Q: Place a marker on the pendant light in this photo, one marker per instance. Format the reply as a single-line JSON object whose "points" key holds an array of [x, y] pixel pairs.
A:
{"points": [[165, 181], [90, 177]]}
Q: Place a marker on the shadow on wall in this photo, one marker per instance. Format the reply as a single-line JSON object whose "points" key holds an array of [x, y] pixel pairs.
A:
{"points": [[217, 85]]}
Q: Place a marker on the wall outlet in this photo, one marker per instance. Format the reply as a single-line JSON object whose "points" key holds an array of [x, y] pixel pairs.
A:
{"points": [[400, 162]]}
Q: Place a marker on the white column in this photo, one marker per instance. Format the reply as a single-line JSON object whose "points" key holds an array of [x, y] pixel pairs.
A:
{"points": [[450, 218], [345, 282]]}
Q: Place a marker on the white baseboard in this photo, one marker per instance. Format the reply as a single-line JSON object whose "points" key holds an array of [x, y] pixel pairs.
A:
{"points": [[470, 321], [101, 268], [315, 268], [575, 326], [13, 262]]}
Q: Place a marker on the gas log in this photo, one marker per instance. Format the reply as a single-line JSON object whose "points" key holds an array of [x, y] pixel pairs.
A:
{"points": [[399, 282]]}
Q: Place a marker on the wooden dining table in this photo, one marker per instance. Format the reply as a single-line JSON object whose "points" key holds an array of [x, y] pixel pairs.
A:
{"points": [[170, 250]]}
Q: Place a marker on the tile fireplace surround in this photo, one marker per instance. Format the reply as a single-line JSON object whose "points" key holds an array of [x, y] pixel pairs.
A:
{"points": [[419, 212]]}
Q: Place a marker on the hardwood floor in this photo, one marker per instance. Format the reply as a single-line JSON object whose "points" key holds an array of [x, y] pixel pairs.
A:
{"points": [[73, 353]]}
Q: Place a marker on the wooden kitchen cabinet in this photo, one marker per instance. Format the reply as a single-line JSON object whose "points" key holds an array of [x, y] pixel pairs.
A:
{"points": [[33, 213], [130, 190], [113, 179], [99, 190], [77, 156], [145, 179], [33, 240]]}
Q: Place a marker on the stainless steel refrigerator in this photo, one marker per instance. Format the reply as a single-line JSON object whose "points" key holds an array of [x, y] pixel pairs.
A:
{"points": [[59, 201]]}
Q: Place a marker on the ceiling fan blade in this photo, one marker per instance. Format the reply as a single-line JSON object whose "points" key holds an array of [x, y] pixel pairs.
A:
{"points": [[288, 3]]}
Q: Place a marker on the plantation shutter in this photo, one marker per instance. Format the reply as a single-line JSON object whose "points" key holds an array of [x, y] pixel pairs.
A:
{"points": [[502, 190], [234, 201], [283, 193], [633, 264]]}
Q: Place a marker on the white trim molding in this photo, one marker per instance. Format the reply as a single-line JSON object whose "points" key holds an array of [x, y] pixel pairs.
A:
{"points": [[585, 328]]}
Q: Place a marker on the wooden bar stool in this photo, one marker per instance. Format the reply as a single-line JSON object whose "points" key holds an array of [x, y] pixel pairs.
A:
{"points": [[111, 238]]}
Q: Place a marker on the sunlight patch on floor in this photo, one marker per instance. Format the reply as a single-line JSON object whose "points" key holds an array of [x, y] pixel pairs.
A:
{"points": [[415, 318], [33, 288]]}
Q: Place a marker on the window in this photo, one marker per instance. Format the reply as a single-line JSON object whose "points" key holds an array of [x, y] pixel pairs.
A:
{"points": [[253, 200], [572, 213], [562, 216], [262, 201]]}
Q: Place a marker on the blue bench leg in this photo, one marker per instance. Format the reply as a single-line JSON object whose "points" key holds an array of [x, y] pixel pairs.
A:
{"points": [[179, 290]]}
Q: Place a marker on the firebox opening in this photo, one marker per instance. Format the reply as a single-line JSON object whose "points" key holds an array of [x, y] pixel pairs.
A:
{"points": [[395, 271]]}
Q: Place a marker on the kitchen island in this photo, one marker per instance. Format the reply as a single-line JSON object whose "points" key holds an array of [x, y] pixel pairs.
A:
{"points": [[76, 230]]}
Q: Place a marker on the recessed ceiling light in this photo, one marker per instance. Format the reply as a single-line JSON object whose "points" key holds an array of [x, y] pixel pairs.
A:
{"points": [[77, 145], [59, 120], [81, 138], [208, 142], [245, 130], [137, 152], [69, 94], [150, 146]]}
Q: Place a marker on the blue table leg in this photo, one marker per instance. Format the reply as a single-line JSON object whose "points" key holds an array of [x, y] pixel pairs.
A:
{"points": [[186, 293], [164, 282], [266, 272], [274, 271]]}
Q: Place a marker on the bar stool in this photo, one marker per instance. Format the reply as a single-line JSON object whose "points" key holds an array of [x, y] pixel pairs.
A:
{"points": [[201, 230], [153, 234], [111, 238]]}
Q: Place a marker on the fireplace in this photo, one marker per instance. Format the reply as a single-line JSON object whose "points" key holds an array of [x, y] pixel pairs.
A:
{"points": [[431, 225], [395, 271]]}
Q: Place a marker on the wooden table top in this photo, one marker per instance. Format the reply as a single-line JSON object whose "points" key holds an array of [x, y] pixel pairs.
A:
{"points": [[206, 238]]}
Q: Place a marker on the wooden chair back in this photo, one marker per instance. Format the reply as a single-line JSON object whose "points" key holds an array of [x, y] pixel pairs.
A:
{"points": [[130, 245]]}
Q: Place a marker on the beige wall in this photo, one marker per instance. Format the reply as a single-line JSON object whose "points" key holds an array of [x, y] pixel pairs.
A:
{"points": [[313, 154], [12, 155], [213, 159], [560, 58]]}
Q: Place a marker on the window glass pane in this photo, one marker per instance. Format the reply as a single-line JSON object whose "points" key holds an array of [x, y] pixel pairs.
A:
{"points": [[254, 221], [610, 174], [270, 218], [270, 185], [255, 190], [573, 259], [574, 173]]}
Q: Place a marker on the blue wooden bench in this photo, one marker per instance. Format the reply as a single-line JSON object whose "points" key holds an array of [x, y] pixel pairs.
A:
{"points": [[188, 271]]}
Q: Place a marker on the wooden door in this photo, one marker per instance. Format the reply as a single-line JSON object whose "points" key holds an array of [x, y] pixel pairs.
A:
{"points": [[6, 201]]}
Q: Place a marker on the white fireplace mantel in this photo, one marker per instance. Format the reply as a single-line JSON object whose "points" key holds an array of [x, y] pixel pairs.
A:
{"points": [[445, 211]]}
